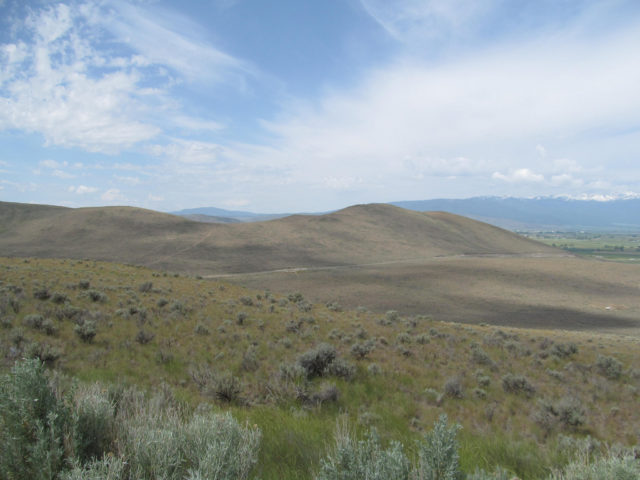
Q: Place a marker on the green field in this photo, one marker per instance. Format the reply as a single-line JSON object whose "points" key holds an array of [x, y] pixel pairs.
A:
{"points": [[618, 247]]}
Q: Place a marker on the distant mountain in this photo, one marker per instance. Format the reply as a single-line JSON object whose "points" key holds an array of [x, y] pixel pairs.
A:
{"points": [[543, 213], [220, 215]]}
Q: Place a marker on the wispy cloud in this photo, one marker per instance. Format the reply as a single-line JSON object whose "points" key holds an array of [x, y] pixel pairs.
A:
{"points": [[100, 75]]}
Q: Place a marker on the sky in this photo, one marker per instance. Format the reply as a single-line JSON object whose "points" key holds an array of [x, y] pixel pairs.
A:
{"points": [[307, 105]]}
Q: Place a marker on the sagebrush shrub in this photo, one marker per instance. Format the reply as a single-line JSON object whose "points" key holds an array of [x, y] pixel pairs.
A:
{"points": [[517, 384], [316, 361], [34, 424], [610, 367], [94, 424], [365, 459], [86, 330], [438, 453]]}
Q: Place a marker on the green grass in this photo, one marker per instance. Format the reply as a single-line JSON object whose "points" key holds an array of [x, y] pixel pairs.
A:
{"points": [[618, 247]]}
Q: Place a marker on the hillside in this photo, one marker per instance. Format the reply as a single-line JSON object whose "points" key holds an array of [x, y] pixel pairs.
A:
{"points": [[517, 393], [356, 235]]}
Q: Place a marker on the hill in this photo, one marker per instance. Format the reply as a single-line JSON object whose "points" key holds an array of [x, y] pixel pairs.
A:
{"points": [[356, 235], [294, 368]]}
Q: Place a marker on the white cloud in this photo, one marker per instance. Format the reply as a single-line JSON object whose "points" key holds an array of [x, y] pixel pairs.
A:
{"points": [[95, 75], [521, 175], [113, 195], [131, 181], [155, 198], [82, 189], [52, 92], [189, 151], [168, 38], [62, 174]]}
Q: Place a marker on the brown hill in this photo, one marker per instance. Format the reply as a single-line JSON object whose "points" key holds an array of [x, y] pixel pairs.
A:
{"points": [[362, 234]]}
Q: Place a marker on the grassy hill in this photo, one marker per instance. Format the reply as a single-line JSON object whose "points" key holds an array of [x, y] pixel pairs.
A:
{"points": [[360, 234], [517, 393], [379, 256]]}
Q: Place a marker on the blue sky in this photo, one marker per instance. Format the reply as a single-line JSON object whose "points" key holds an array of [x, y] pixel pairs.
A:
{"points": [[304, 105]]}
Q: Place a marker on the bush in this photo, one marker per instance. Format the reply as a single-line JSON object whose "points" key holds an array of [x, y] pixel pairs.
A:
{"points": [[86, 330], [145, 287], [316, 361], [96, 296], [607, 468], [610, 367], [364, 459], [517, 384], [59, 298], [438, 453], [563, 350], [34, 424], [33, 321], [225, 387], [362, 349], [44, 352], [453, 388], [94, 424], [42, 293], [143, 337], [340, 368]]}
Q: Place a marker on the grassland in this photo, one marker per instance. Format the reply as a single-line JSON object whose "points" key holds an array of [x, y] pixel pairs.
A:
{"points": [[563, 293], [618, 247], [516, 392]]}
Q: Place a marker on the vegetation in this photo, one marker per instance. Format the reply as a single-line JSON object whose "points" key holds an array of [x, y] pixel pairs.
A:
{"points": [[200, 366]]}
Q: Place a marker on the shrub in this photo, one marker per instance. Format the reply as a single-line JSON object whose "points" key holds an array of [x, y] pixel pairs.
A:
{"points": [[86, 330], [107, 468], [392, 316], [201, 329], [364, 459], [241, 318], [33, 321], [316, 361], [44, 352], [42, 293], [340, 368], [611, 467], [517, 384], [250, 360], [96, 296], [563, 350], [362, 349], [94, 424], [438, 453], [84, 284], [34, 424], [225, 387], [143, 337], [453, 388], [59, 298], [610, 367], [145, 287], [479, 356], [328, 392], [246, 301]]}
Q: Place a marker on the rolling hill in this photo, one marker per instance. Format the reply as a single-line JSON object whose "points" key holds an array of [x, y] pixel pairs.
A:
{"points": [[361, 234]]}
